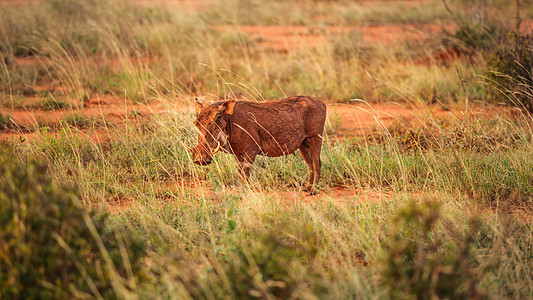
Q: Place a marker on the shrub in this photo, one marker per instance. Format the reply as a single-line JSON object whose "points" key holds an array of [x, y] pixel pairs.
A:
{"points": [[271, 264], [511, 68], [425, 262], [49, 245], [280, 263], [508, 52]]}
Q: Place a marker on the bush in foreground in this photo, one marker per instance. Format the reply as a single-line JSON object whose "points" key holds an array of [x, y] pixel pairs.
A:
{"points": [[426, 263], [49, 245]]}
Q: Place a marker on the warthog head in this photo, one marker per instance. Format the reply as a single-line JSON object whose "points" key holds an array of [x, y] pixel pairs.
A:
{"points": [[211, 121]]}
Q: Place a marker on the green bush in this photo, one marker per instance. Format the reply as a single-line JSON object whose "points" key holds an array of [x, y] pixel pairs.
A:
{"points": [[279, 263], [510, 66], [272, 264], [424, 261], [508, 52], [50, 247]]}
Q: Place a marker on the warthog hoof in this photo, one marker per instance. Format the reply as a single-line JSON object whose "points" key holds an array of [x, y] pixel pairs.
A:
{"points": [[310, 189]]}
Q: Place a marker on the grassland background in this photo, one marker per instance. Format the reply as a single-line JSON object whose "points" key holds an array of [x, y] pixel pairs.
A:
{"points": [[454, 218]]}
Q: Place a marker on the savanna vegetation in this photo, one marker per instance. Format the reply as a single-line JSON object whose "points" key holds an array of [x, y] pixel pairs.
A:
{"points": [[97, 205]]}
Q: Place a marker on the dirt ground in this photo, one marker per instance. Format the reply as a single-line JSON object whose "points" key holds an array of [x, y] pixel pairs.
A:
{"points": [[289, 38], [347, 120]]}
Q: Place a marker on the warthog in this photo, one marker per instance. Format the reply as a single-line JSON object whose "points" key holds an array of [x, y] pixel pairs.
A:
{"points": [[248, 129]]}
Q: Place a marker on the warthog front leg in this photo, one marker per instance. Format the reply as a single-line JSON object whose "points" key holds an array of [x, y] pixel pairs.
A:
{"points": [[246, 162], [310, 150]]}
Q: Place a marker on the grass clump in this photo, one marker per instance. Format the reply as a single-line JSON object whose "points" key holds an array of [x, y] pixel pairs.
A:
{"points": [[511, 68], [51, 103], [425, 262], [433, 251], [81, 121], [276, 257], [49, 245]]}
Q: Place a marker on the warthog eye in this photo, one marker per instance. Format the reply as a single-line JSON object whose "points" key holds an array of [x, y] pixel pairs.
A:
{"points": [[219, 117]]}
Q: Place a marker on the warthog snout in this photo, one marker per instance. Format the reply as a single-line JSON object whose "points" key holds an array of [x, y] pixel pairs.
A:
{"points": [[202, 155]]}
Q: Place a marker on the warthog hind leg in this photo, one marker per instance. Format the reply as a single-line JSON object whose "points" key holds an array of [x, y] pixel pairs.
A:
{"points": [[315, 143], [306, 154], [310, 150]]}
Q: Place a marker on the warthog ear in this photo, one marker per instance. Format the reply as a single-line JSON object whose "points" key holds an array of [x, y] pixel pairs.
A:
{"points": [[227, 107], [198, 105]]}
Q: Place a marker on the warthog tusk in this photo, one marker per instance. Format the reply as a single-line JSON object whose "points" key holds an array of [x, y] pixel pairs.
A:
{"points": [[217, 148]]}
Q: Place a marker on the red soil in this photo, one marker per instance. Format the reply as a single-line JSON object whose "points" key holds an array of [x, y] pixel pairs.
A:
{"points": [[286, 38], [111, 108], [287, 198], [28, 60], [347, 120], [350, 120], [335, 195], [101, 113]]}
